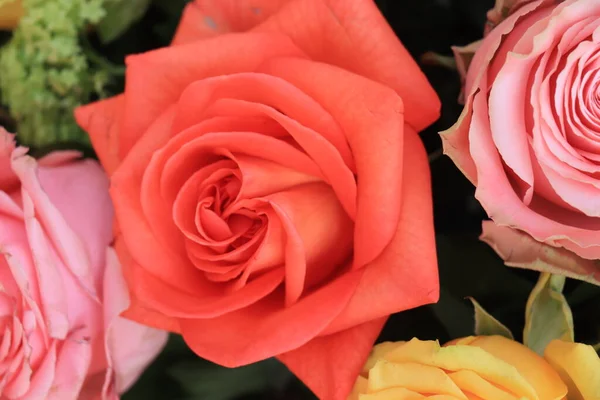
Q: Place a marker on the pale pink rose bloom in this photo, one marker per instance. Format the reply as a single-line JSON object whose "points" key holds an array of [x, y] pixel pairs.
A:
{"points": [[529, 135], [61, 287]]}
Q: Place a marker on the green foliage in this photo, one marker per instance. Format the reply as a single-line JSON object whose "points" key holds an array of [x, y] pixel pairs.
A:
{"points": [[120, 14], [203, 380], [179, 374], [548, 315], [46, 71], [486, 324]]}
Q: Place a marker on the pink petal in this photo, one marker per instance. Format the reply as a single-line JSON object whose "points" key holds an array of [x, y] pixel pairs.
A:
{"points": [[520, 250], [72, 365], [67, 243], [130, 347]]}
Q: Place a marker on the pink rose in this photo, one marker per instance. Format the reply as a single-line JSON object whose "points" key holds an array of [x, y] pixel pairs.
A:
{"points": [[61, 286], [529, 135]]}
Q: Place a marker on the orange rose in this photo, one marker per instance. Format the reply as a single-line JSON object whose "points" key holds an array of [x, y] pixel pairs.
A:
{"points": [[271, 192], [479, 368]]}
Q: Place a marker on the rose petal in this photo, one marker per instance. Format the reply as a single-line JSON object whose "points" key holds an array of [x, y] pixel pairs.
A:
{"points": [[101, 121], [204, 305], [72, 363], [183, 152], [578, 365], [405, 275], [371, 116], [319, 235], [333, 167], [545, 381], [8, 179], [44, 375], [136, 230], [53, 291], [316, 365], [130, 347], [358, 39], [162, 70], [75, 189], [202, 19], [67, 243], [520, 250], [186, 158], [266, 328], [254, 89], [456, 139], [261, 177], [137, 310], [498, 198]]}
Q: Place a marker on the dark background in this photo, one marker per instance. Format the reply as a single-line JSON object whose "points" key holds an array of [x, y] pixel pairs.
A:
{"points": [[467, 266]]}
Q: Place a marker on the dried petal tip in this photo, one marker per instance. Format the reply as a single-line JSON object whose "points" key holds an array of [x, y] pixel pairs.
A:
{"points": [[520, 250]]}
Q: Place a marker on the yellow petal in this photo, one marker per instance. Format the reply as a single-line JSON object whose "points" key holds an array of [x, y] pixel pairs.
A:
{"points": [[578, 365], [10, 14], [461, 357], [465, 341], [379, 350], [477, 387], [415, 377], [540, 375], [393, 394], [471, 396], [442, 397], [360, 387]]}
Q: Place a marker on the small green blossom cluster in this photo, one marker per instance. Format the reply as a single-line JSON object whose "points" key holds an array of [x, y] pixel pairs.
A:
{"points": [[45, 71]]}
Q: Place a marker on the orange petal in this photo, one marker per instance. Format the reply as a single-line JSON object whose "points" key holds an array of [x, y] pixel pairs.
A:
{"points": [[137, 311], [206, 18], [371, 117], [405, 275], [101, 121], [353, 35], [266, 328], [329, 365], [170, 70]]}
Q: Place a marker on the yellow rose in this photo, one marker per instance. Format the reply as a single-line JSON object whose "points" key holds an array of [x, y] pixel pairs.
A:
{"points": [[478, 368], [10, 13], [578, 365]]}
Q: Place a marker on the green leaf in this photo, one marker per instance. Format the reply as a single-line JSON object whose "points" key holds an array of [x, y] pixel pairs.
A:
{"points": [[548, 315], [486, 324], [204, 380], [120, 15], [597, 347]]}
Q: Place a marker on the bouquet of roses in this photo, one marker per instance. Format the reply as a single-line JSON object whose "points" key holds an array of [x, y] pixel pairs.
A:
{"points": [[259, 184]]}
